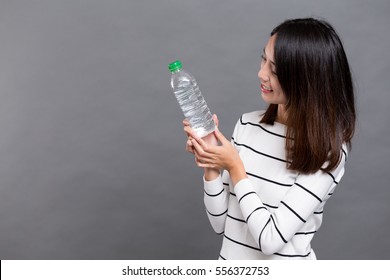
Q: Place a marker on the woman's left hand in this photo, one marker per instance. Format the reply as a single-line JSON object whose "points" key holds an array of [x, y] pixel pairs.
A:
{"points": [[223, 156]]}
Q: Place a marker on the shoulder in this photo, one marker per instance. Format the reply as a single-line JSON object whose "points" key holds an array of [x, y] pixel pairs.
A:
{"points": [[250, 122], [254, 117]]}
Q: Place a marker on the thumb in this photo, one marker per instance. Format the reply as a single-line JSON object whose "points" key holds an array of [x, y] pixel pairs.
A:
{"points": [[220, 136]]}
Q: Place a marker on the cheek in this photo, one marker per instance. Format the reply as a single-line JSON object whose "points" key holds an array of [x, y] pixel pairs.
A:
{"points": [[276, 86], [282, 97], [279, 93]]}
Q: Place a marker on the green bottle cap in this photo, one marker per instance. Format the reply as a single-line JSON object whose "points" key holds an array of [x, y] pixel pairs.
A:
{"points": [[176, 65]]}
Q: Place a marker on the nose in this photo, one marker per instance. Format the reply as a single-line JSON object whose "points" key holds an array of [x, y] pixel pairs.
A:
{"points": [[263, 75]]}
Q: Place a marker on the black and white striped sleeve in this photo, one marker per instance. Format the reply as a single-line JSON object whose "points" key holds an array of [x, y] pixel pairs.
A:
{"points": [[216, 198], [273, 230]]}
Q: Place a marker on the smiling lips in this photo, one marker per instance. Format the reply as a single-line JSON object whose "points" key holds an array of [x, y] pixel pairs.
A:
{"points": [[265, 89]]}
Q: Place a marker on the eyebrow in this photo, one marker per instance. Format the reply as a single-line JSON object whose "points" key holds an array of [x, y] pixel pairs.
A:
{"points": [[273, 63]]}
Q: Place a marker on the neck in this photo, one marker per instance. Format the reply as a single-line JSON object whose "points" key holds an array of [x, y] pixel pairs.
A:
{"points": [[282, 114]]}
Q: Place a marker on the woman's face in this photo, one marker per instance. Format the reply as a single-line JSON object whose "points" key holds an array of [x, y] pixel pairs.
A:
{"points": [[271, 92]]}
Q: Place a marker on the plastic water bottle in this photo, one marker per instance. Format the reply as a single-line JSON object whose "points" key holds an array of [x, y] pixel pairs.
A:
{"points": [[191, 100]]}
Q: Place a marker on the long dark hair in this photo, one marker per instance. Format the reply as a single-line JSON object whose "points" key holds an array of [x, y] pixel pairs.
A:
{"points": [[314, 74]]}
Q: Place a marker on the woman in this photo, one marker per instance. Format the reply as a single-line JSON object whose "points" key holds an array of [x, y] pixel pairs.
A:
{"points": [[282, 165]]}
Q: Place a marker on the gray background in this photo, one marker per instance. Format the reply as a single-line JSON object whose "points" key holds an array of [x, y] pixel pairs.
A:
{"points": [[92, 159]]}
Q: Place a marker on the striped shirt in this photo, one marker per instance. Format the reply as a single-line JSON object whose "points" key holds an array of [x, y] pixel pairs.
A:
{"points": [[275, 212]]}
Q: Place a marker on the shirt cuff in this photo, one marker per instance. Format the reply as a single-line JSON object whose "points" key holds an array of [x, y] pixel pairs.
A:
{"points": [[214, 186], [243, 187]]}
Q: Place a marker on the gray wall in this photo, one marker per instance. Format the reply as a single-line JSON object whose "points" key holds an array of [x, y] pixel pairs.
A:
{"points": [[92, 159]]}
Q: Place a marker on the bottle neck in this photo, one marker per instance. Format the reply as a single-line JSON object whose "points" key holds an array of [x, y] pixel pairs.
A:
{"points": [[176, 71]]}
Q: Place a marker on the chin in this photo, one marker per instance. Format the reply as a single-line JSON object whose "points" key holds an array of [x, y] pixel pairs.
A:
{"points": [[267, 97]]}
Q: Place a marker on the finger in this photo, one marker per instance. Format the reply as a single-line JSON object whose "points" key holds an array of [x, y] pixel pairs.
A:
{"points": [[196, 138], [189, 131], [215, 118], [189, 144], [205, 146], [202, 154], [186, 122], [199, 163], [202, 164], [220, 136], [198, 158], [197, 148], [189, 147], [201, 159], [206, 159]]}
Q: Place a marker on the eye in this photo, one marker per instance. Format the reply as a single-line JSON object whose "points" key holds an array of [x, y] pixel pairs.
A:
{"points": [[263, 60]]}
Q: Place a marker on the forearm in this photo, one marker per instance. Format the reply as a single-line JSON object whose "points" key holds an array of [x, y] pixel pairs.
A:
{"points": [[211, 174], [237, 171], [216, 199]]}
